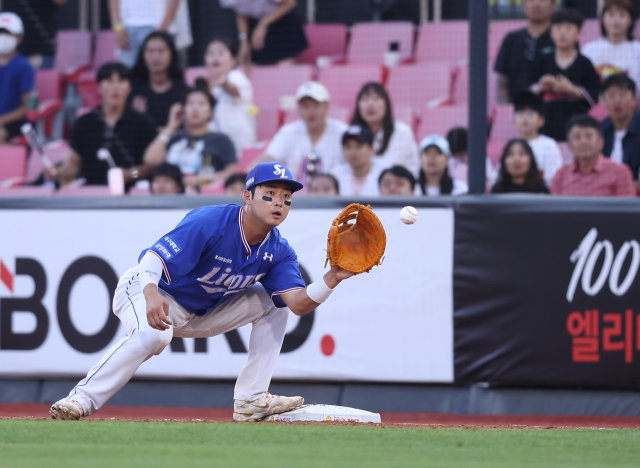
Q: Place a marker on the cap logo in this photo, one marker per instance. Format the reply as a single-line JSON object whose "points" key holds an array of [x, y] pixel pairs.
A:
{"points": [[250, 181], [280, 171]]}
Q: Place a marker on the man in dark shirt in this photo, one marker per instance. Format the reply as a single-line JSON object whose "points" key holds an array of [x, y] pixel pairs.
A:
{"points": [[521, 48], [566, 79], [114, 126], [622, 127]]}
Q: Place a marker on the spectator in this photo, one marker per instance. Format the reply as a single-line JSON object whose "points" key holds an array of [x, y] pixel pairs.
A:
{"points": [[459, 160], [235, 184], [434, 174], [234, 114], [591, 174], [16, 78], [359, 175], [324, 184], [520, 49], [166, 180], [519, 170], [270, 31], [134, 20], [566, 79], [397, 180], [622, 127], [394, 142], [203, 157], [114, 126], [313, 137], [157, 78], [616, 51], [529, 120]]}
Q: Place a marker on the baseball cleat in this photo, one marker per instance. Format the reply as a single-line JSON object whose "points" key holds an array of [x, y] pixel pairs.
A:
{"points": [[66, 409], [255, 410]]}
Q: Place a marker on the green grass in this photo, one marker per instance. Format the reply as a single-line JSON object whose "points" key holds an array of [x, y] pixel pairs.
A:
{"points": [[70, 444]]}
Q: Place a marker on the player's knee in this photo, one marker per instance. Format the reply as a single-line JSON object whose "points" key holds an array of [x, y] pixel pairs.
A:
{"points": [[154, 341]]}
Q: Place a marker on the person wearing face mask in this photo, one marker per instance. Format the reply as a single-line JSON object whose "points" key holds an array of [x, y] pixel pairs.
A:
{"points": [[16, 78], [234, 114]]}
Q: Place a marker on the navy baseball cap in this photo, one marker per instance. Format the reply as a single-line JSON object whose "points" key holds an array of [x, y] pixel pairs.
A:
{"points": [[271, 172]]}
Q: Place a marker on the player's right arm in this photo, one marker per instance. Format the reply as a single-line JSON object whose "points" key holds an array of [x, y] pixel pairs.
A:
{"points": [[149, 273]]}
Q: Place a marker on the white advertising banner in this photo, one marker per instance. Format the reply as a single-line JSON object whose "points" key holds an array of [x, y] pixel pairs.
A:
{"points": [[58, 269]]}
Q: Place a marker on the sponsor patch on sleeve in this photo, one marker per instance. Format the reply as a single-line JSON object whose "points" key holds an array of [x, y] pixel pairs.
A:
{"points": [[171, 244], [162, 250]]}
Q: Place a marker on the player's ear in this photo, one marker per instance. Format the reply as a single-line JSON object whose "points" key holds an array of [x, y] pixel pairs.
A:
{"points": [[247, 196]]}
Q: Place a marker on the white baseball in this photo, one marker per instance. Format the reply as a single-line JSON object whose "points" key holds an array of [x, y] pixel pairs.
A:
{"points": [[408, 215]]}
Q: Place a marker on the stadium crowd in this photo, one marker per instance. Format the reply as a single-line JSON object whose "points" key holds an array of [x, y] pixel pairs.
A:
{"points": [[187, 139]]}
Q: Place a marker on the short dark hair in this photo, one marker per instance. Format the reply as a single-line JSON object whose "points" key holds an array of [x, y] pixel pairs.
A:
{"points": [[230, 44], [235, 178], [201, 86], [623, 5], [457, 138], [621, 81], [527, 101], [333, 180], [399, 171], [169, 170], [108, 69], [568, 15], [584, 121]]}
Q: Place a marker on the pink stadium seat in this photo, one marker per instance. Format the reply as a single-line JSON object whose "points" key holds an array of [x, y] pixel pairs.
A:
{"points": [[85, 191], [191, 74], [49, 87], [213, 189], [599, 111], [492, 89], [248, 156], [369, 41], [460, 94], [590, 31], [56, 151], [140, 191], [106, 49], [73, 50], [13, 164], [503, 128], [272, 82], [27, 192], [344, 82], [326, 40], [405, 114], [497, 32], [440, 120], [420, 84], [267, 123], [87, 87], [447, 41], [494, 151]]}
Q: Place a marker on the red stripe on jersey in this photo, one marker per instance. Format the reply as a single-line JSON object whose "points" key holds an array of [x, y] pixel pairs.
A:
{"points": [[164, 266]]}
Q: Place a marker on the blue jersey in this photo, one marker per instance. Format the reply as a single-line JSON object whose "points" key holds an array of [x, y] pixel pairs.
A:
{"points": [[206, 260]]}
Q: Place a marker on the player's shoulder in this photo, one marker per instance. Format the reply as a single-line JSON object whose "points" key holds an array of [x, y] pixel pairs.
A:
{"points": [[280, 243], [214, 216]]}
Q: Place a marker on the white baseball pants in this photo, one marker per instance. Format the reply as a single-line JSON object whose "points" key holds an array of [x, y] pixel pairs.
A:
{"points": [[119, 364]]}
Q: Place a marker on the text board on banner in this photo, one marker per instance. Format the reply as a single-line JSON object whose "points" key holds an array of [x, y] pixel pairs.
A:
{"points": [[60, 268]]}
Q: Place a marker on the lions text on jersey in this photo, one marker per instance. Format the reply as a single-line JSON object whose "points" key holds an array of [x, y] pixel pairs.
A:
{"points": [[207, 259]]}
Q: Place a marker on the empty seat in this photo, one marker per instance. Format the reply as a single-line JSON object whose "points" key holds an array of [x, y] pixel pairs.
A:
{"points": [[49, 88], [325, 40], [503, 128], [56, 151], [404, 114], [447, 41], [247, 157], [191, 74], [369, 41], [270, 83], [420, 84], [494, 151], [439, 120], [460, 94], [73, 50], [13, 165], [344, 82], [106, 49], [87, 87], [267, 123]]}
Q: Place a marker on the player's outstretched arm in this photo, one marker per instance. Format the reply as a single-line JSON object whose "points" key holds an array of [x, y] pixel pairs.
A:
{"points": [[303, 301]]}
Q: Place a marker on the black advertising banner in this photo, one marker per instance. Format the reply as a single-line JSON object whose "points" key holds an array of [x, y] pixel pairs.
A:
{"points": [[547, 292]]}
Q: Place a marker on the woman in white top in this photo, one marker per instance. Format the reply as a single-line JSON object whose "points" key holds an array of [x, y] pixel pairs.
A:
{"points": [[616, 51], [234, 114], [434, 173], [394, 142]]}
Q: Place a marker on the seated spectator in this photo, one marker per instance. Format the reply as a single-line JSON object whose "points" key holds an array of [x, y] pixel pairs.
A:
{"points": [[397, 180], [622, 127], [529, 120], [591, 174], [459, 160], [156, 79], [520, 50], [519, 170], [166, 180], [114, 126], [434, 174], [16, 78], [235, 113], [203, 157], [616, 51], [235, 184], [359, 175], [394, 142], [566, 80], [325, 185], [313, 137]]}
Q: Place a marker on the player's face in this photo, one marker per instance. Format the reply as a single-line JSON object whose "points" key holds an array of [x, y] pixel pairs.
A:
{"points": [[114, 90], [585, 142], [312, 112], [271, 202], [565, 35], [372, 108], [197, 110], [528, 122], [518, 162], [538, 10], [434, 162], [616, 21], [394, 185], [356, 153], [322, 185], [157, 55], [620, 102], [219, 58]]}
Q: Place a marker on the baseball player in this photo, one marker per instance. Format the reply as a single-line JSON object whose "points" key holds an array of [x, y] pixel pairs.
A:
{"points": [[201, 280]]}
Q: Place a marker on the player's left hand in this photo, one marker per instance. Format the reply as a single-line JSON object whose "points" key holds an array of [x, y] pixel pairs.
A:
{"points": [[336, 275]]}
